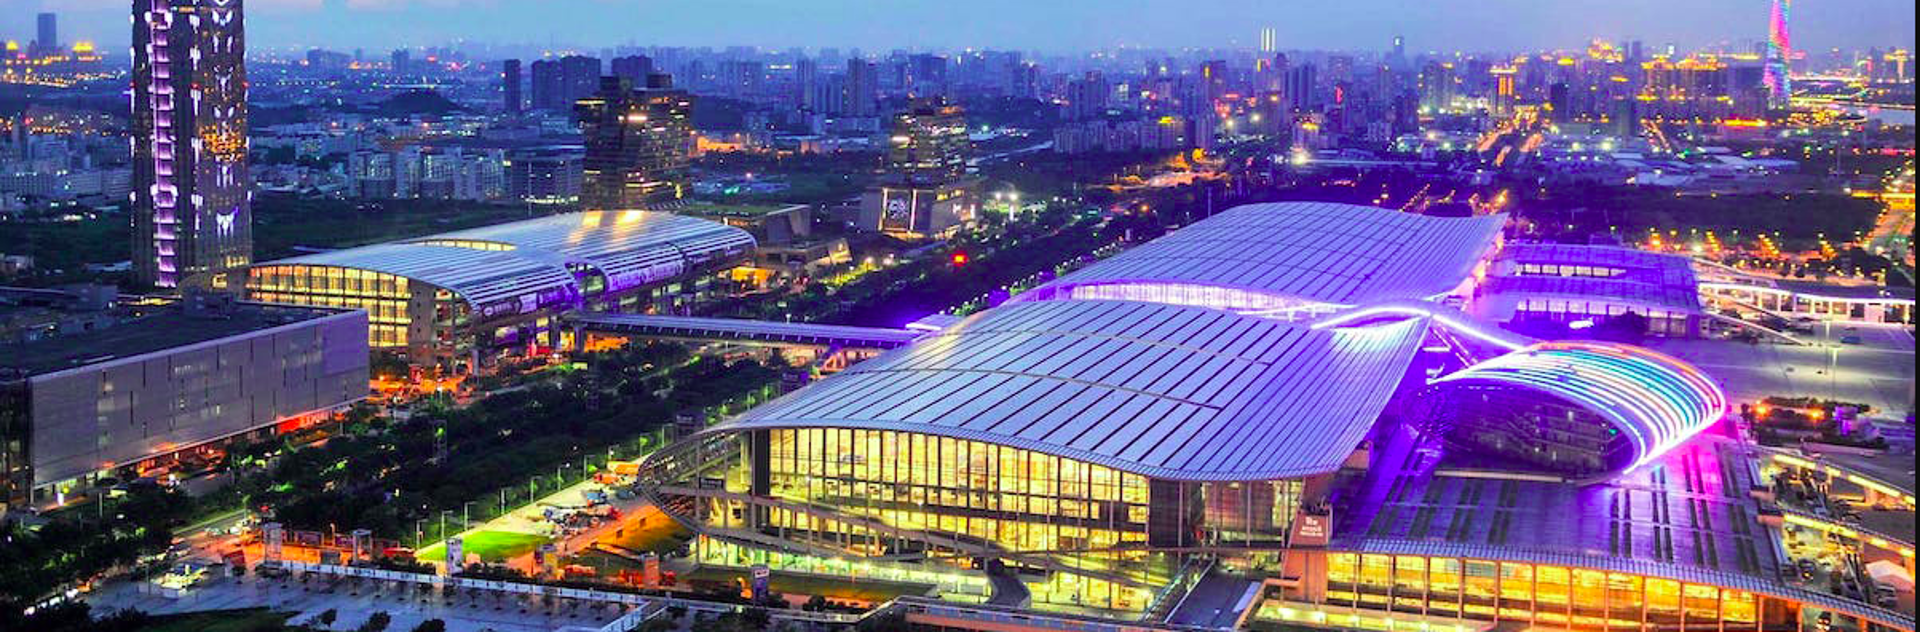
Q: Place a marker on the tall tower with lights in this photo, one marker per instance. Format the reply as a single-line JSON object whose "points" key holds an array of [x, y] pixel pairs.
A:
{"points": [[1779, 52], [192, 195]]}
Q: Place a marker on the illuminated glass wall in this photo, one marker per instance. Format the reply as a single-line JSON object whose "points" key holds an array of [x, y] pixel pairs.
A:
{"points": [[1544, 595], [399, 312], [1093, 535]]}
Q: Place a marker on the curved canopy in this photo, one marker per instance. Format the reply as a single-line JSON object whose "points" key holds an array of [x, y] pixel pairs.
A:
{"points": [[1316, 252], [1655, 400], [1165, 391], [531, 258]]}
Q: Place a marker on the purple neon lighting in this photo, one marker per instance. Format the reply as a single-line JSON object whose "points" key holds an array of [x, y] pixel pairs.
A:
{"points": [[1657, 401]]}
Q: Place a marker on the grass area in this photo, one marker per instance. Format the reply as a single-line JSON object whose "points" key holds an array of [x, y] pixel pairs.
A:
{"points": [[283, 223], [652, 531], [68, 245], [491, 546], [248, 620], [737, 210], [830, 587]]}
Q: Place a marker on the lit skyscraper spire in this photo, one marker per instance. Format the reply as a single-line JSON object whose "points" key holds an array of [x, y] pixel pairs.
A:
{"points": [[1779, 51]]}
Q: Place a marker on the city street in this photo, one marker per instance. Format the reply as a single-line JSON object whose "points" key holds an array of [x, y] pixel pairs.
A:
{"points": [[354, 604]]}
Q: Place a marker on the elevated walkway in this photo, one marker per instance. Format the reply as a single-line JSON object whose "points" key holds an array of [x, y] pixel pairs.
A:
{"points": [[759, 332]]}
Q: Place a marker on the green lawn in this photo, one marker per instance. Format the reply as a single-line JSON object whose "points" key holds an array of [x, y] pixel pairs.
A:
{"points": [[248, 620], [830, 587], [491, 546]]}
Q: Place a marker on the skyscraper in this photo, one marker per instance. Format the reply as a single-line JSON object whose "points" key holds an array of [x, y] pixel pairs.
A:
{"points": [[47, 38], [1779, 52], [1268, 42], [639, 142], [510, 86], [191, 188]]}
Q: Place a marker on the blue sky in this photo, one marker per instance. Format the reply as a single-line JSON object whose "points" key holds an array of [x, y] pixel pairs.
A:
{"points": [[1048, 25]]}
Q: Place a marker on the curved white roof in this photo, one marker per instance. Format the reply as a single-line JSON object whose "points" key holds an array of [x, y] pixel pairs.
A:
{"points": [[527, 261], [1167, 391], [1320, 252]]}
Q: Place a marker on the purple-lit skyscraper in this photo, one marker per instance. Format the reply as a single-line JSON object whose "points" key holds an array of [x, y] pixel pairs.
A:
{"points": [[1779, 52], [191, 189]]}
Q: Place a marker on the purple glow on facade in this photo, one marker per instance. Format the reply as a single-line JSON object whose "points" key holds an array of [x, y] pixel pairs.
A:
{"points": [[191, 189]]}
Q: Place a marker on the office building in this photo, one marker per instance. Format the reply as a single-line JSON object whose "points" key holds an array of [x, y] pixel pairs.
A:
{"points": [[460, 300], [639, 142], [146, 390], [546, 88], [924, 190], [192, 191]]}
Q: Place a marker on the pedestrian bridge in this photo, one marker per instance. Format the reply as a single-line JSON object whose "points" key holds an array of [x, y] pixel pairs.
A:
{"points": [[755, 332]]}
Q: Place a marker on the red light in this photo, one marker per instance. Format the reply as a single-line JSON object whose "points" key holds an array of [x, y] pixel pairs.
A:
{"points": [[959, 258]]}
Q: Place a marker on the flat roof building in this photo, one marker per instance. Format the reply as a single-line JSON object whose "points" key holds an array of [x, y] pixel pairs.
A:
{"points": [[161, 386], [450, 299]]}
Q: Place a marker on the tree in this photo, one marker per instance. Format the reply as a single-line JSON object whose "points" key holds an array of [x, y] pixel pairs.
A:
{"points": [[326, 618], [431, 625], [377, 622]]}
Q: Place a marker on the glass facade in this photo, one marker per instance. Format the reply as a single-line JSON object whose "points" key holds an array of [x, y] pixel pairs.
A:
{"points": [[1505, 424], [1085, 534], [1660, 322], [1542, 595], [393, 309]]}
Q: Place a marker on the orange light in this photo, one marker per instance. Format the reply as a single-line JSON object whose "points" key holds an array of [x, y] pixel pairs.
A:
{"points": [[959, 258]]}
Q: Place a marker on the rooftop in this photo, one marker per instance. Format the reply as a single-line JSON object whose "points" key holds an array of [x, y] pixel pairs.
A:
{"points": [[144, 329], [1167, 391], [1319, 252], [507, 262]]}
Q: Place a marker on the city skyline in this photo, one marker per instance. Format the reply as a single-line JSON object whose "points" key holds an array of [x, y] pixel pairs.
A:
{"points": [[291, 25]]}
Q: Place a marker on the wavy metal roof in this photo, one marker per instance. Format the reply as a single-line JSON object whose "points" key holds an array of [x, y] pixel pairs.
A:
{"points": [[1321, 252], [1167, 391], [1657, 401], [517, 259]]}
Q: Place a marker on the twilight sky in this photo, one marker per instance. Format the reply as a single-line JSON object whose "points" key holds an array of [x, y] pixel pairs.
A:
{"points": [[1046, 25]]}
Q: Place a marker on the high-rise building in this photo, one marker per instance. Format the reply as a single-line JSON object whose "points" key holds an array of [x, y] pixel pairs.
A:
{"points": [[1779, 52], [806, 76], [1299, 88], [546, 88], [639, 142], [1503, 91], [1268, 42], [510, 86], [634, 68], [47, 37], [579, 78], [863, 88], [401, 61], [191, 188]]}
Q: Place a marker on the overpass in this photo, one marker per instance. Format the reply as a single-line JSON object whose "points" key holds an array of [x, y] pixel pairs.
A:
{"points": [[742, 331]]}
